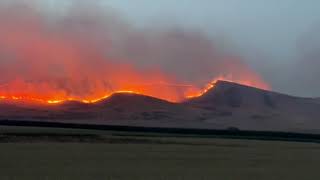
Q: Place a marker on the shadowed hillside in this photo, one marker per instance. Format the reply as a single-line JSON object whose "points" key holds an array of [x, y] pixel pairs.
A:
{"points": [[251, 108], [228, 105], [121, 109]]}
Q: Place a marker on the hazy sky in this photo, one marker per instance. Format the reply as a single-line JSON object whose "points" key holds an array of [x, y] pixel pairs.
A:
{"points": [[267, 33], [249, 24]]}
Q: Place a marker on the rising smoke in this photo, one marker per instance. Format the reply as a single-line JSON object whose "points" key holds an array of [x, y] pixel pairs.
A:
{"points": [[88, 52]]}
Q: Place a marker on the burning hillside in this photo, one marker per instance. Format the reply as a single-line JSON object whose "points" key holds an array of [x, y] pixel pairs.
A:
{"points": [[88, 55], [173, 95]]}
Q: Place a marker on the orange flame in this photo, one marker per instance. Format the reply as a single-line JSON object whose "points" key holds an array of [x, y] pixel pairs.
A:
{"points": [[253, 82], [46, 62], [190, 92]]}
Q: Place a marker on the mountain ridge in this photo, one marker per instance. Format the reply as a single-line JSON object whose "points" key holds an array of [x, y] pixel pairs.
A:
{"points": [[226, 105]]}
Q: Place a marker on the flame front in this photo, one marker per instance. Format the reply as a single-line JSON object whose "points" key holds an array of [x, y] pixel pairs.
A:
{"points": [[188, 91], [253, 81], [88, 56]]}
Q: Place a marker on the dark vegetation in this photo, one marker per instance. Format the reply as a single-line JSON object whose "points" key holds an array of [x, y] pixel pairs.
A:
{"points": [[234, 98], [232, 132], [268, 101], [33, 153]]}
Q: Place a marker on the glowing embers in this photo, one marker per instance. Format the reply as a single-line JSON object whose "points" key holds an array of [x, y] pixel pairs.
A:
{"points": [[159, 91], [252, 82], [211, 85], [59, 101], [22, 98], [107, 96]]}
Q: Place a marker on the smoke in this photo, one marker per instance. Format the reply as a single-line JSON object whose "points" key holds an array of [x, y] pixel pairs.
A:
{"points": [[88, 52], [307, 68]]}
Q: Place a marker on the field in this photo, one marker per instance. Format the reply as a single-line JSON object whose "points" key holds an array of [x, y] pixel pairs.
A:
{"points": [[63, 154]]}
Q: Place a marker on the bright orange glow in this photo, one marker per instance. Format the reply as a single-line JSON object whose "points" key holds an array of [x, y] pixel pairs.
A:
{"points": [[189, 92], [253, 82], [76, 58], [39, 100]]}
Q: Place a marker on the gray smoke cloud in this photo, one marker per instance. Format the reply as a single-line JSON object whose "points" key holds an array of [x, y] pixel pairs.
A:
{"points": [[89, 48], [275, 43], [307, 68]]}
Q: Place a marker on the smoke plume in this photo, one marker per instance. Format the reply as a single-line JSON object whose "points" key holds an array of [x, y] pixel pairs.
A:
{"points": [[89, 52]]}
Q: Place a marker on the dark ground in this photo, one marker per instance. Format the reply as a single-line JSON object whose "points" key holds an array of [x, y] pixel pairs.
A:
{"points": [[46, 153]]}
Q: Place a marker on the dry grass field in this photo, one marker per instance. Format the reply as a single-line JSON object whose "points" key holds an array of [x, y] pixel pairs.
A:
{"points": [[157, 158]]}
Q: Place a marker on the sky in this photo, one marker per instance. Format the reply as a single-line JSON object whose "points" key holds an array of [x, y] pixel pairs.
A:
{"points": [[278, 39], [271, 28]]}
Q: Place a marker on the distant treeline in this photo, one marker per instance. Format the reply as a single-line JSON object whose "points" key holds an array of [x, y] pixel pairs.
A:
{"points": [[232, 133]]}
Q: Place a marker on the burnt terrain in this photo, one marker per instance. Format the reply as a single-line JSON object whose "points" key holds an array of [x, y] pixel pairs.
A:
{"points": [[227, 106]]}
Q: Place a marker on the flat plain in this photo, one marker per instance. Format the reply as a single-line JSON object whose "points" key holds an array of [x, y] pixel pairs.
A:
{"points": [[45, 154]]}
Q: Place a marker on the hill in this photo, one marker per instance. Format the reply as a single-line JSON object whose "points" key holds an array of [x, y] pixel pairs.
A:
{"points": [[255, 109], [119, 109], [226, 106]]}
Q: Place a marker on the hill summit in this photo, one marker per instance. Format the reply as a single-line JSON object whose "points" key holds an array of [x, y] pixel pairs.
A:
{"points": [[226, 105]]}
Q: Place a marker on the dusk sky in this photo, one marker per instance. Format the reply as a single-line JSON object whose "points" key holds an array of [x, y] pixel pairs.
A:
{"points": [[278, 39]]}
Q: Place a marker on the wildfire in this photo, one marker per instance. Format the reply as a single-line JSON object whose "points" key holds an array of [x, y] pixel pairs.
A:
{"points": [[59, 101], [89, 56], [211, 85], [189, 91], [249, 82]]}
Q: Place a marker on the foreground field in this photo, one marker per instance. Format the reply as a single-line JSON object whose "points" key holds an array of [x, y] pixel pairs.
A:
{"points": [[131, 157]]}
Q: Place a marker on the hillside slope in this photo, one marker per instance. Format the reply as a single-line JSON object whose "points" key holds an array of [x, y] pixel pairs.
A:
{"points": [[227, 105], [255, 109], [121, 109]]}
